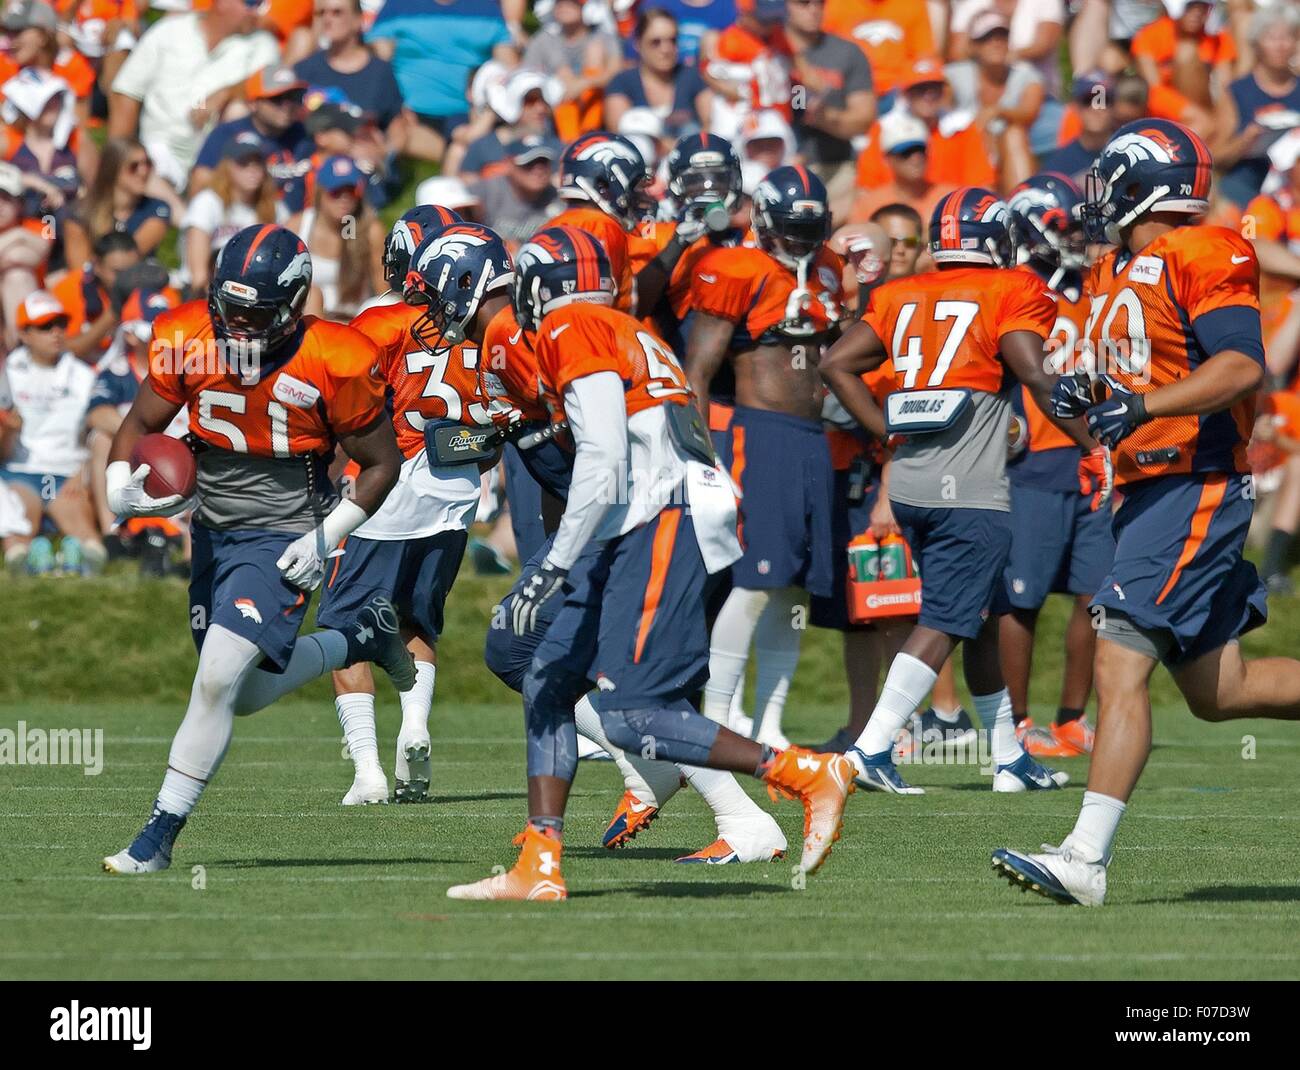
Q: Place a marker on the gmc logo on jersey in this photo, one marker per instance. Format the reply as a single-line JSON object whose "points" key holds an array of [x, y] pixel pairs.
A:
{"points": [[295, 392], [1146, 269]]}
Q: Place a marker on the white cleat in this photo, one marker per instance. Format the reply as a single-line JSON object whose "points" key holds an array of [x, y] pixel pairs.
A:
{"points": [[123, 863], [369, 786], [1056, 874], [414, 771], [1025, 774]]}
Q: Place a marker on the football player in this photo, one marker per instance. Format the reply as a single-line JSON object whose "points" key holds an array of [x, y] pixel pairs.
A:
{"points": [[627, 566], [1060, 538], [1175, 330], [410, 550], [766, 310], [950, 333], [269, 392]]}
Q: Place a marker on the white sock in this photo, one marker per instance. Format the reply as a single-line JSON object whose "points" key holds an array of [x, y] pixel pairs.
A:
{"points": [[737, 707], [995, 710], [947, 716], [1094, 832], [908, 682], [776, 651], [652, 782], [313, 655], [179, 793], [357, 716], [225, 663], [733, 631], [734, 812], [417, 702]]}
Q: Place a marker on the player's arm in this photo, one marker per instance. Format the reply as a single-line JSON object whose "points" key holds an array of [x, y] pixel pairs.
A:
{"points": [[706, 349], [858, 351], [1022, 351], [652, 280], [149, 414], [124, 491]]}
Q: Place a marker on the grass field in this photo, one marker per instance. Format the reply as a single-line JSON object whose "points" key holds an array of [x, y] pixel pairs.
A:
{"points": [[1205, 884]]}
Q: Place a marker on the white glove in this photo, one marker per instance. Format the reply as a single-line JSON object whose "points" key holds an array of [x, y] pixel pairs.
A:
{"points": [[303, 562], [126, 496]]}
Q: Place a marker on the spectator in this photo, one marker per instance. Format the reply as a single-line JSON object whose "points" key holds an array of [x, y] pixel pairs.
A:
{"points": [[346, 240], [38, 107], [1177, 51], [767, 139], [117, 201], [275, 104], [337, 130], [661, 81], [48, 389], [1005, 95], [699, 22], [520, 199], [1272, 222], [1259, 107], [34, 43], [348, 63], [179, 78], [749, 69], [449, 193], [1093, 95], [241, 195], [85, 292], [104, 32], [23, 250], [583, 59], [1035, 28], [906, 229], [517, 107], [893, 34], [290, 21], [903, 140], [834, 101]]}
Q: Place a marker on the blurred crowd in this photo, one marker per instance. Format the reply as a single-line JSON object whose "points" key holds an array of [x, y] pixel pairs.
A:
{"points": [[139, 136]]}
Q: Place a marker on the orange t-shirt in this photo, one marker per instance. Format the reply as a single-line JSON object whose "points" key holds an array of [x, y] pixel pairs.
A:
{"points": [[1158, 40], [892, 33], [960, 159]]}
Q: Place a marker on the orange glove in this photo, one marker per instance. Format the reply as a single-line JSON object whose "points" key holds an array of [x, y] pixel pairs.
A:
{"points": [[1097, 476]]}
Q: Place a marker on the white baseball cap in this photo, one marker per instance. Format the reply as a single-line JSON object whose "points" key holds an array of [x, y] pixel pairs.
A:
{"points": [[447, 191]]}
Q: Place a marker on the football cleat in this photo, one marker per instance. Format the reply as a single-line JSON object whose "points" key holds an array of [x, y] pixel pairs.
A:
{"points": [[721, 853], [534, 876], [960, 732], [878, 773], [1023, 728], [375, 636], [369, 787], [1055, 874], [630, 818], [414, 770], [151, 851], [1025, 774], [823, 783], [1077, 734]]}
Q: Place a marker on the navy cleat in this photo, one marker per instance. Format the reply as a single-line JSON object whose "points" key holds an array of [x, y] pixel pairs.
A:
{"points": [[960, 732], [877, 772], [1056, 874], [375, 635], [1025, 774], [151, 851]]}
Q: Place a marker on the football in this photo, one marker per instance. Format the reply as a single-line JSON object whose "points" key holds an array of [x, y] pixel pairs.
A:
{"points": [[171, 466]]}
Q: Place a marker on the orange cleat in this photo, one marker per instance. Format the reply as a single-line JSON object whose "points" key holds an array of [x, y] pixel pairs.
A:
{"points": [[1023, 729], [535, 875], [1070, 740], [721, 853], [630, 818], [823, 783]]}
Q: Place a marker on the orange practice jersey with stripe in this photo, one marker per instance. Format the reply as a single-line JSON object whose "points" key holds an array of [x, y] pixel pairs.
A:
{"points": [[943, 328], [1064, 349], [327, 388], [583, 339], [509, 368], [747, 287], [612, 237], [1140, 331]]}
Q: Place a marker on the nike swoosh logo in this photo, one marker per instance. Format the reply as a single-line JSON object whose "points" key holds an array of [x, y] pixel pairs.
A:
{"points": [[559, 330], [708, 278], [514, 338], [1240, 259]]}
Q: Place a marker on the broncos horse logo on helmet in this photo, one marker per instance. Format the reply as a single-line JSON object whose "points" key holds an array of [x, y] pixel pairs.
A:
{"points": [[969, 226], [452, 271], [259, 287], [792, 216], [704, 169], [557, 266], [607, 170], [1045, 218], [1148, 165], [412, 228]]}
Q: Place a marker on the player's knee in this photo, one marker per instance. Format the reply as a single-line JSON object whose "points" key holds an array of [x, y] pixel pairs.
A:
{"points": [[501, 653], [619, 731], [1209, 708]]}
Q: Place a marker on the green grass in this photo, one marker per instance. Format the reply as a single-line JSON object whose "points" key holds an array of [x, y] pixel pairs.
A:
{"points": [[295, 886]]}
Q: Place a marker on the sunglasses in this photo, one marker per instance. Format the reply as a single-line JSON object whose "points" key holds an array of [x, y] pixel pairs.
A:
{"points": [[140, 167], [344, 191], [808, 3], [910, 241], [656, 42], [58, 323]]}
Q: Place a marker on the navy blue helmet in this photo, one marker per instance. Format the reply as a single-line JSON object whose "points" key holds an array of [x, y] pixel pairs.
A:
{"points": [[452, 271], [1148, 165], [792, 215], [607, 170], [557, 266], [259, 286], [704, 169], [414, 226], [1045, 218], [969, 226]]}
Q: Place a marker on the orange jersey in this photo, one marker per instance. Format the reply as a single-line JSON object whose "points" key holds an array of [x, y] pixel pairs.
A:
{"points": [[612, 237], [327, 388], [763, 66], [1063, 347], [509, 369], [421, 386], [582, 339], [1140, 329], [944, 328], [749, 288]]}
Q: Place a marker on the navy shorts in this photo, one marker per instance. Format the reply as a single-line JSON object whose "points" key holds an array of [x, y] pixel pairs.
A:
{"points": [[848, 521], [415, 574], [1178, 565], [960, 554], [524, 494], [783, 467], [632, 619], [1058, 546], [510, 656], [234, 582]]}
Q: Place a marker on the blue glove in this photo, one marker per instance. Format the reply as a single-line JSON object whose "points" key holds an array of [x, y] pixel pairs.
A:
{"points": [[540, 587], [1071, 396], [1114, 419]]}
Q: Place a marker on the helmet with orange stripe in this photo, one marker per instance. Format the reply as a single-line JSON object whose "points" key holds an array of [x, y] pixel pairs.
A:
{"points": [[452, 271], [1148, 165], [608, 171], [969, 226], [411, 229], [792, 216], [557, 266], [259, 287]]}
